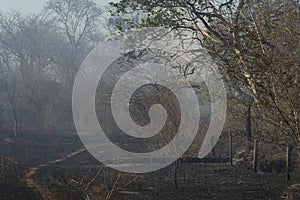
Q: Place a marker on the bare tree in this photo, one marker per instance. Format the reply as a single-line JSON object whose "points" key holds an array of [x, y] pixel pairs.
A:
{"points": [[78, 20], [29, 47], [8, 83]]}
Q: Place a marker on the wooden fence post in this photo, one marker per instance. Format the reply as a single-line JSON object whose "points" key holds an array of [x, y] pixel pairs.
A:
{"points": [[230, 146], [255, 155], [175, 172], [288, 162]]}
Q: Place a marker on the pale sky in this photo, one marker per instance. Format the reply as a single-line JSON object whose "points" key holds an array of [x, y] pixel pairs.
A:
{"points": [[32, 6]]}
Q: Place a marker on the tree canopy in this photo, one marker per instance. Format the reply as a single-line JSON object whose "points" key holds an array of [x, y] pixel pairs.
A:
{"points": [[255, 43]]}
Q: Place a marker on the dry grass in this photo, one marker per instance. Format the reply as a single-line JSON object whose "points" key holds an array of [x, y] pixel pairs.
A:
{"points": [[291, 192]]}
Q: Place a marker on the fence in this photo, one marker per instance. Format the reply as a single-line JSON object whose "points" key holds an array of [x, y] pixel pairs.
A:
{"points": [[262, 147]]}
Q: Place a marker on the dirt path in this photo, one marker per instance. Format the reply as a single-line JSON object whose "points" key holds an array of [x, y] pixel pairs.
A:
{"points": [[29, 176]]}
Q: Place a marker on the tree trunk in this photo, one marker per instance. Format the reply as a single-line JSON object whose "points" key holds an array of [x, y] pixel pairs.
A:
{"points": [[175, 170], [15, 115], [15, 127], [248, 123], [255, 155]]}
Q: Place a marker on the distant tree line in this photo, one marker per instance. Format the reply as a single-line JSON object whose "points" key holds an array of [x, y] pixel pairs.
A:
{"points": [[39, 57]]}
